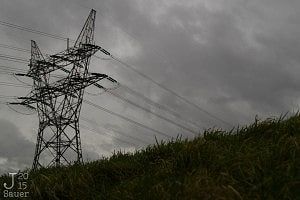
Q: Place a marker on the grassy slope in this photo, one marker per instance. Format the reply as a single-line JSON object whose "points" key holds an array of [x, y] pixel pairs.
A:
{"points": [[260, 161]]}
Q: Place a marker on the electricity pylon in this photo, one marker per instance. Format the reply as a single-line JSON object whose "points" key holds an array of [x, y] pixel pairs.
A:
{"points": [[58, 102]]}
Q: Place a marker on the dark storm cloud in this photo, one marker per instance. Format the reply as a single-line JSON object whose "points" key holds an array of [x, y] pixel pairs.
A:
{"points": [[213, 56], [14, 147]]}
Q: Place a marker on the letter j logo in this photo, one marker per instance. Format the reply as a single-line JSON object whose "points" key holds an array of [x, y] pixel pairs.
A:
{"points": [[12, 181]]}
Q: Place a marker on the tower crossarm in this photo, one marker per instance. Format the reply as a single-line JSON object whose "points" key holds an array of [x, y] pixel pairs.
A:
{"points": [[74, 54], [67, 86], [63, 59], [70, 85]]}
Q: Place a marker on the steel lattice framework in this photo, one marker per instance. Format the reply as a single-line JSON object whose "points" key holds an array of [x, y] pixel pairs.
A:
{"points": [[58, 102]]}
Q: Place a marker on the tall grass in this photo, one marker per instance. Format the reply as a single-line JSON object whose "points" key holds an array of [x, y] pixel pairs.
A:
{"points": [[260, 161]]}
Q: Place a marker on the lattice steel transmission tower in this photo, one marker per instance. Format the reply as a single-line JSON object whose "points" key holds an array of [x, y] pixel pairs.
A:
{"points": [[58, 97]]}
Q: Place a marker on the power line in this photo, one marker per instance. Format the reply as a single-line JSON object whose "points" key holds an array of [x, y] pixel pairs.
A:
{"points": [[170, 91], [11, 60], [83, 119], [14, 48], [27, 29], [136, 105], [159, 106], [147, 100], [10, 107], [15, 59], [110, 129], [6, 73], [9, 57], [14, 75], [11, 68], [110, 112], [126, 119], [13, 71], [127, 66], [10, 72], [95, 131], [102, 108], [153, 113], [164, 87], [14, 85], [28, 51], [114, 130], [8, 97], [147, 110]]}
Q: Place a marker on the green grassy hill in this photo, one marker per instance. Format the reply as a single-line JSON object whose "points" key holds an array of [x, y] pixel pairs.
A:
{"points": [[261, 161]]}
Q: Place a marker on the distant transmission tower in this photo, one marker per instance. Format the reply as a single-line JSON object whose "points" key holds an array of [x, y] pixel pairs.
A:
{"points": [[58, 97]]}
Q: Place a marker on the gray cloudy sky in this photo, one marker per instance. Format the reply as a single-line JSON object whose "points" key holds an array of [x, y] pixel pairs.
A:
{"points": [[234, 58]]}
